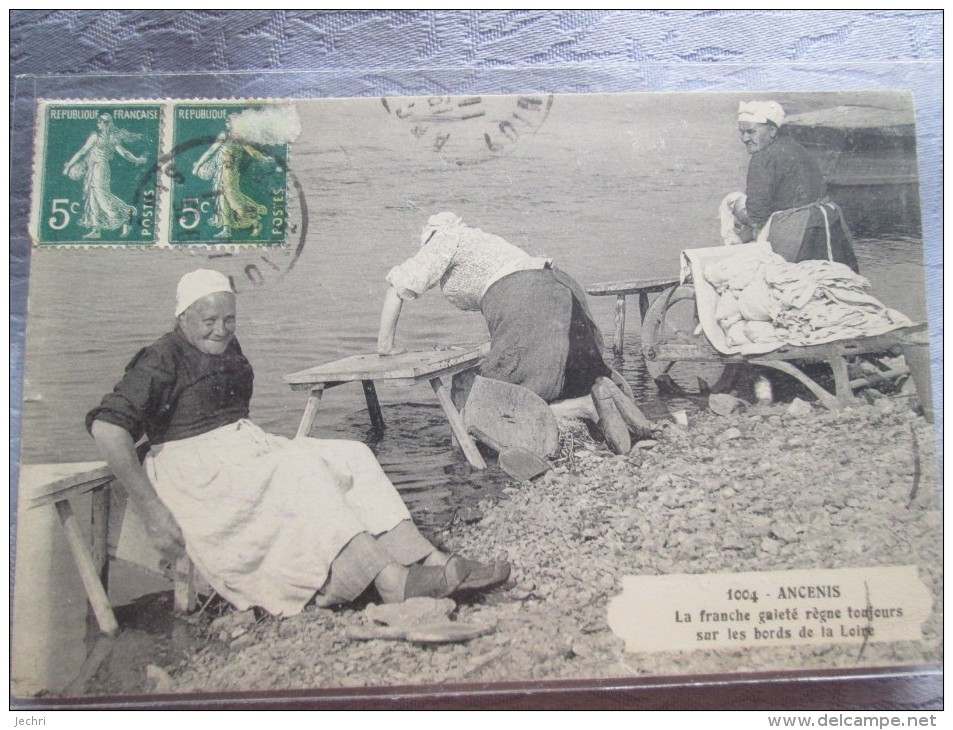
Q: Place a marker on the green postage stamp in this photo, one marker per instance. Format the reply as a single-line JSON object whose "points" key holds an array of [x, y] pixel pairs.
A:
{"points": [[164, 173], [97, 174], [230, 181]]}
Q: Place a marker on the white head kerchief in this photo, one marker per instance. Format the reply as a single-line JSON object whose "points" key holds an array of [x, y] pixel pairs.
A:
{"points": [[441, 222], [198, 284], [761, 112]]}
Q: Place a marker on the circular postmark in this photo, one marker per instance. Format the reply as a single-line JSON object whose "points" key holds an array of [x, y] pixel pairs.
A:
{"points": [[259, 239], [470, 129]]}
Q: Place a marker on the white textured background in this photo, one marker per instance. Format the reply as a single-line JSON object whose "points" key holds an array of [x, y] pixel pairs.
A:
{"points": [[373, 53]]}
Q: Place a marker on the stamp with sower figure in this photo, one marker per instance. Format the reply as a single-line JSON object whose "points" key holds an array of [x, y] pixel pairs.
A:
{"points": [[229, 172], [96, 173]]}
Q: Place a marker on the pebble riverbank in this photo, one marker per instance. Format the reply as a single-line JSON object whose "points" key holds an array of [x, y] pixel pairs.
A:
{"points": [[790, 486]]}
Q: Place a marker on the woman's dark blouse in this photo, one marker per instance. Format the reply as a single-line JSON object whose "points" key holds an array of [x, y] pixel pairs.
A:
{"points": [[171, 390], [781, 176]]}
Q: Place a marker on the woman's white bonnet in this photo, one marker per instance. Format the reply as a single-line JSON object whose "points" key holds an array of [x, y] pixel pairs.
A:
{"points": [[761, 112], [199, 284], [439, 222]]}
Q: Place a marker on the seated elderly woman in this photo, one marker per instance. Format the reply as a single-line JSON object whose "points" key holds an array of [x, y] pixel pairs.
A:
{"points": [[786, 195], [269, 521], [542, 335]]}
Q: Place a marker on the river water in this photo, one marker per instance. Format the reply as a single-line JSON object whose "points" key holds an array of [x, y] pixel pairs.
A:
{"points": [[609, 186]]}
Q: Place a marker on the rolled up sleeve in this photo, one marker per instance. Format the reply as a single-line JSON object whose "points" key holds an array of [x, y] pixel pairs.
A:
{"points": [[138, 396], [425, 269]]}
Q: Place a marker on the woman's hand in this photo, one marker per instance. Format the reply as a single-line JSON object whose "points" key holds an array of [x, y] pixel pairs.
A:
{"points": [[740, 212], [738, 208], [391, 349], [162, 529]]}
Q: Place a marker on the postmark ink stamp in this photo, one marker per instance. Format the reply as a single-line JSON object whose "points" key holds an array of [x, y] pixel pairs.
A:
{"points": [[202, 174], [96, 174], [470, 129], [229, 177]]}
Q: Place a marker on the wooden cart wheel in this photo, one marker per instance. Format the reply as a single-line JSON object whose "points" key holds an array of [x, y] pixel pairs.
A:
{"points": [[673, 317]]}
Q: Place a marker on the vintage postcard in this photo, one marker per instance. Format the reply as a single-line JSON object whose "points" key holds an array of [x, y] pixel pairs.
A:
{"points": [[446, 392]]}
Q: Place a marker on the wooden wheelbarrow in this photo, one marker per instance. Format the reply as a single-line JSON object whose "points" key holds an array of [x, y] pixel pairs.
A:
{"points": [[673, 344]]}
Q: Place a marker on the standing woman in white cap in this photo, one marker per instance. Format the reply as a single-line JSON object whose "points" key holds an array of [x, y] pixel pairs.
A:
{"points": [[786, 195], [268, 521], [542, 335]]}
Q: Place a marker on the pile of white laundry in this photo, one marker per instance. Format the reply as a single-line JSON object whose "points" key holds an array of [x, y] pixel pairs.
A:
{"points": [[763, 302]]}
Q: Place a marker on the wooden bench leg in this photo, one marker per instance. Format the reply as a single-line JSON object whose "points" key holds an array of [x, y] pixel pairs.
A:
{"points": [[87, 570], [100, 652], [619, 324], [917, 356], [841, 380], [460, 384], [643, 305], [100, 524], [183, 584], [310, 411], [373, 406], [457, 426]]}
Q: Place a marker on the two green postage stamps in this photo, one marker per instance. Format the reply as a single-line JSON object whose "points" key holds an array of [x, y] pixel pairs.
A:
{"points": [[165, 173]]}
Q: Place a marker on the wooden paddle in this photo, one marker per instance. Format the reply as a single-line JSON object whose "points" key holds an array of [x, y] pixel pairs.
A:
{"points": [[519, 463], [511, 415]]}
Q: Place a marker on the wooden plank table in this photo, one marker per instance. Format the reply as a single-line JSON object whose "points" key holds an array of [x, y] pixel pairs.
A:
{"points": [[621, 289], [438, 367], [57, 484]]}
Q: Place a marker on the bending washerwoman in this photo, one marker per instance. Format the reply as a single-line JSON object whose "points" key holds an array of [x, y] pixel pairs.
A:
{"points": [[542, 335]]}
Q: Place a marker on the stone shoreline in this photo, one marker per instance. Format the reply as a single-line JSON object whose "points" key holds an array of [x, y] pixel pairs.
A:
{"points": [[783, 488]]}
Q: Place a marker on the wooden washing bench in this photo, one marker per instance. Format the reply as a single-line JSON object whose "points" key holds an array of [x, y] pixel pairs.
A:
{"points": [[438, 367], [621, 289], [57, 485]]}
